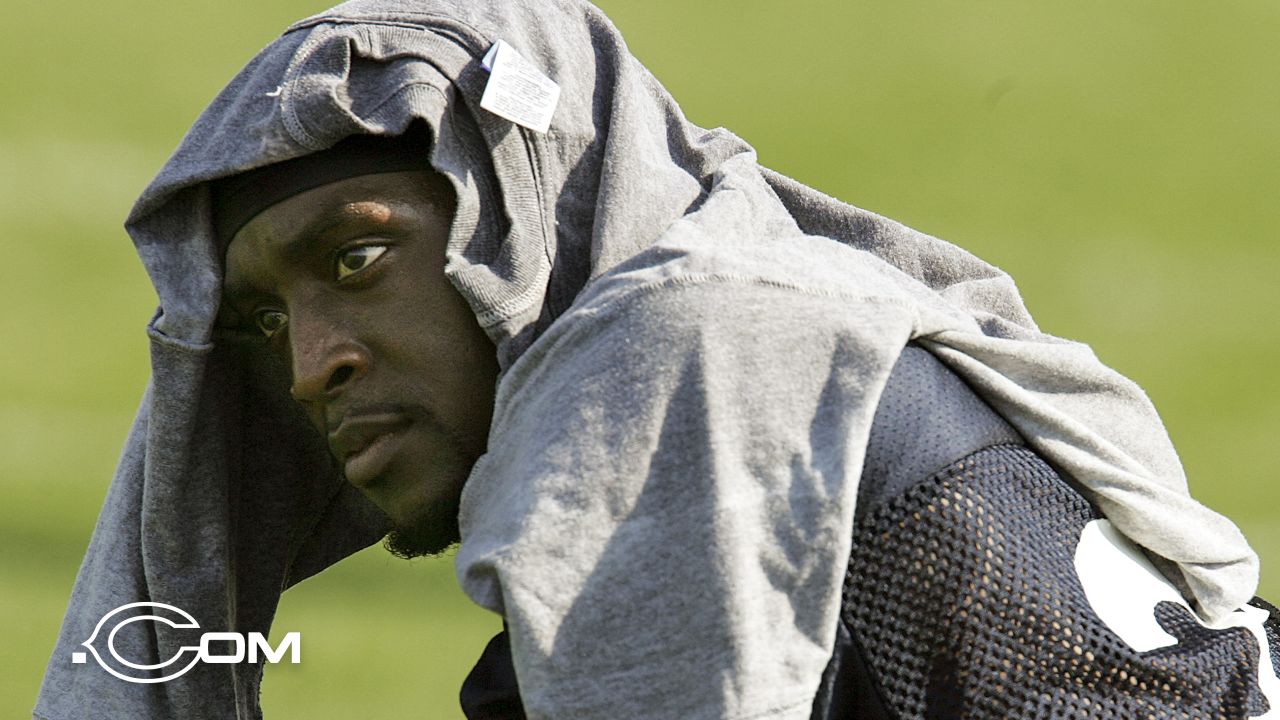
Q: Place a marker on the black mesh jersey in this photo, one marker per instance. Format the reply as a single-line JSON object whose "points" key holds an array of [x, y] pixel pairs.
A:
{"points": [[962, 597], [962, 601]]}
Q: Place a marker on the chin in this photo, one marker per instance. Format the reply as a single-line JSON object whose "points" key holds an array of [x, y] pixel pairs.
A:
{"points": [[423, 524], [429, 532], [423, 506]]}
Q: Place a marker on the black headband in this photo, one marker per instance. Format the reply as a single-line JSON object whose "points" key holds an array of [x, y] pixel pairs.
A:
{"points": [[237, 199]]}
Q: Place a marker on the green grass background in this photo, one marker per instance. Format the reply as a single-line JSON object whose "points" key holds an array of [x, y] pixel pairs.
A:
{"points": [[1121, 160]]}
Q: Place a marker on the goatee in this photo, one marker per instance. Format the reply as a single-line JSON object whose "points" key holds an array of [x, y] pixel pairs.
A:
{"points": [[428, 534]]}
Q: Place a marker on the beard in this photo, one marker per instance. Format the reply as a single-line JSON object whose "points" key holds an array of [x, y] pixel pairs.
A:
{"points": [[429, 533], [432, 529]]}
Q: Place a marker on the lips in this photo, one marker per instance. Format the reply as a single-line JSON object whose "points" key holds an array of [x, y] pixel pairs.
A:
{"points": [[366, 443]]}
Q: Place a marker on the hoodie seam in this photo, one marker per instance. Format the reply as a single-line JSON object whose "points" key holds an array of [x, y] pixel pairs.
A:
{"points": [[160, 338], [424, 24], [689, 280], [534, 151], [406, 87], [513, 306]]}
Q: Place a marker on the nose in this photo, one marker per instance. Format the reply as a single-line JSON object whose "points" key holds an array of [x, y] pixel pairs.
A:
{"points": [[325, 360]]}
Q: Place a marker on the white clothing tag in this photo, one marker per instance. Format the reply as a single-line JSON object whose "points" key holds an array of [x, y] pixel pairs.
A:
{"points": [[517, 90]]}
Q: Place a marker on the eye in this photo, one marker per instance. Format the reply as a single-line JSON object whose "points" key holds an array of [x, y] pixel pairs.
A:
{"points": [[271, 322], [353, 260]]}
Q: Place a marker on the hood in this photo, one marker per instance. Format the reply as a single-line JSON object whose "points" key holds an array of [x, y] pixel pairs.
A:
{"points": [[224, 497]]}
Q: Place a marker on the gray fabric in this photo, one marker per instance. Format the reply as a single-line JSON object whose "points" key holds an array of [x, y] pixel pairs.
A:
{"points": [[927, 419], [692, 349]]}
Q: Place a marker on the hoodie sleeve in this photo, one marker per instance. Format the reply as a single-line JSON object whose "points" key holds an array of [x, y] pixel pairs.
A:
{"points": [[219, 502], [672, 545]]}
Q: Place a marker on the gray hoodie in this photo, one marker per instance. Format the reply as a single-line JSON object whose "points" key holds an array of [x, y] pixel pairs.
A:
{"points": [[692, 348]]}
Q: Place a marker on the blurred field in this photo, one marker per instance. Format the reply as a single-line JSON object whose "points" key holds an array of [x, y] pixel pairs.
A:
{"points": [[1122, 161]]}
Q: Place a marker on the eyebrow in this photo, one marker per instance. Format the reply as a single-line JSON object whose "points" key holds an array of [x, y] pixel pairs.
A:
{"points": [[296, 247], [327, 221]]}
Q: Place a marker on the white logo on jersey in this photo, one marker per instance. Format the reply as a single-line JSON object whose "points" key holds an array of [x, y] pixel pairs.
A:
{"points": [[1123, 587]]}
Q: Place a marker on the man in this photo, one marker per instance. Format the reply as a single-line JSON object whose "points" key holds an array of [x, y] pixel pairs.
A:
{"points": [[472, 264]]}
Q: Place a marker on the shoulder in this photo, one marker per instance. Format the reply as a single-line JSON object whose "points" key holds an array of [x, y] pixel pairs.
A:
{"points": [[691, 288], [737, 314]]}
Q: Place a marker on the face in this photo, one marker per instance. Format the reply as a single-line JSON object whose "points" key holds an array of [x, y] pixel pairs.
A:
{"points": [[347, 282]]}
